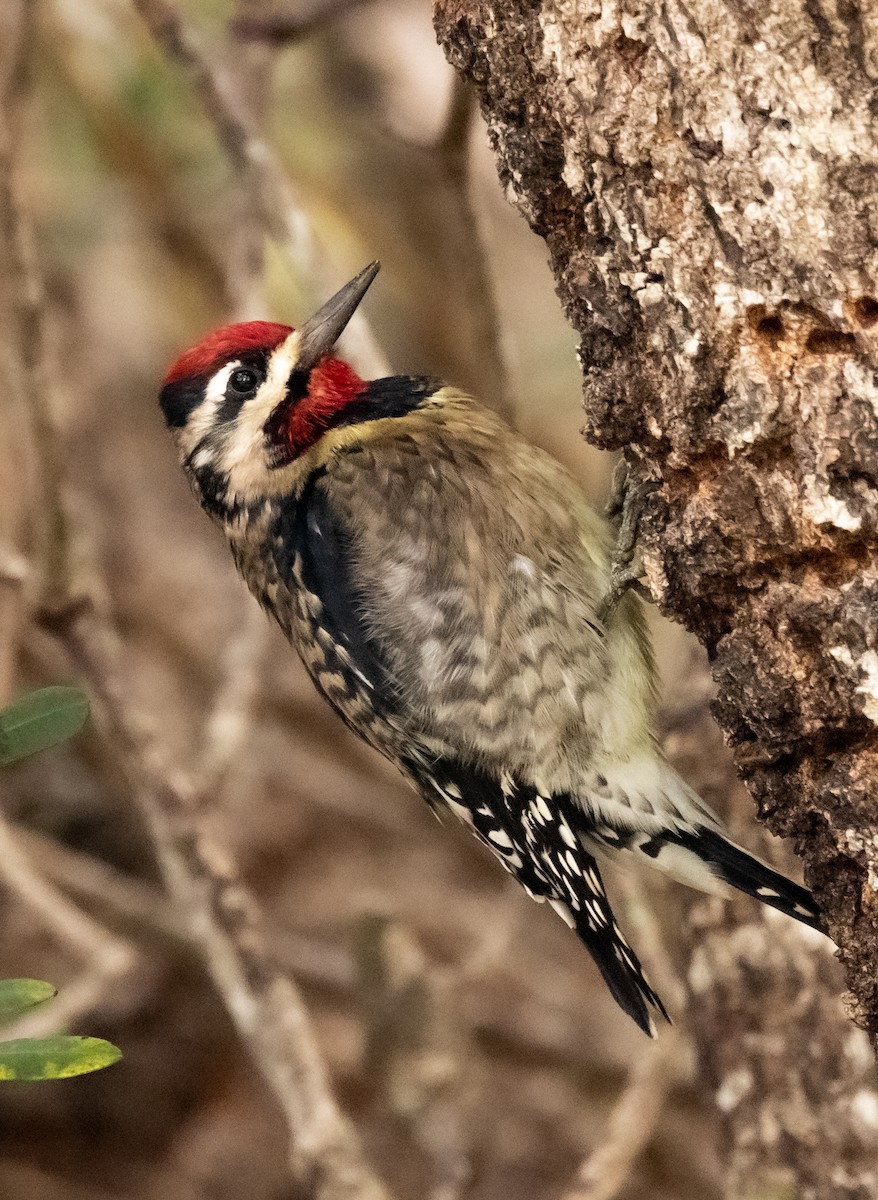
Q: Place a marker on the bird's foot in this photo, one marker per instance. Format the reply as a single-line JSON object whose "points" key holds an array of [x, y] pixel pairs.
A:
{"points": [[626, 570]]}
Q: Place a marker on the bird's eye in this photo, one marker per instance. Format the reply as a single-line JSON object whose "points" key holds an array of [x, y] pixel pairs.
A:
{"points": [[243, 381]]}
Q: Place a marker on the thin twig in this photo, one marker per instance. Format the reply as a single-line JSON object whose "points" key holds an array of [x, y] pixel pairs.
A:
{"points": [[128, 150], [14, 567], [416, 1047], [107, 956], [230, 719], [636, 1114], [280, 211], [631, 1125], [251, 80], [525, 1024], [452, 150], [288, 26], [226, 924], [72, 927], [28, 301], [231, 715], [141, 910]]}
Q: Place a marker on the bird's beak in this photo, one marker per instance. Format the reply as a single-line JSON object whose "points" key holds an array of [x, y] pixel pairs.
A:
{"points": [[319, 335]]}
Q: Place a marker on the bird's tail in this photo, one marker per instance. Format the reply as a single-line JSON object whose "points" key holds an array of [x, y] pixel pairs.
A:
{"points": [[678, 835], [736, 867]]}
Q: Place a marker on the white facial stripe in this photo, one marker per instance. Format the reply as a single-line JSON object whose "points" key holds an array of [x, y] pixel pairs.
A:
{"points": [[283, 359], [244, 450], [201, 420], [243, 453]]}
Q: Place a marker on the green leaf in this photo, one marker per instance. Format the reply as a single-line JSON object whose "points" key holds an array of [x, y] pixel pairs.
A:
{"points": [[18, 995], [40, 720], [57, 1057]]}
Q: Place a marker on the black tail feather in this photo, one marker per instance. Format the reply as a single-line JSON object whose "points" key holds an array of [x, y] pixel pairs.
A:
{"points": [[746, 873], [620, 967]]}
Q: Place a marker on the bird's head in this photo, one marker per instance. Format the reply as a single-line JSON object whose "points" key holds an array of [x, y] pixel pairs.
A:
{"points": [[249, 401]]}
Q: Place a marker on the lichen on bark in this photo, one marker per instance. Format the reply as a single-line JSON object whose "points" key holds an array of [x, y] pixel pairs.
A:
{"points": [[703, 173]]}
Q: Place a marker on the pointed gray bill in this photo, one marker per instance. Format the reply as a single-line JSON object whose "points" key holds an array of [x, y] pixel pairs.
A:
{"points": [[319, 335]]}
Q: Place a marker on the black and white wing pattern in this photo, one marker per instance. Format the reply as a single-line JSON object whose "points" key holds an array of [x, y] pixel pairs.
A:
{"points": [[534, 837]]}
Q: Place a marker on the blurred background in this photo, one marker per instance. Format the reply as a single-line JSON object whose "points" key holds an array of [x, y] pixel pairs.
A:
{"points": [[147, 237]]}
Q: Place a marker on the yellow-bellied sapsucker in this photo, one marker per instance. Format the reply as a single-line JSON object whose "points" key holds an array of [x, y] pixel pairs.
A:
{"points": [[442, 581]]}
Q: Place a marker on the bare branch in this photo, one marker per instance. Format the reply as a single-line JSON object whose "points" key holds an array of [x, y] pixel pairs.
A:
{"points": [[288, 26], [450, 156], [518, 1025], [282, 215], [78, 931], [230, 720], [107, 956], [227, 925], [36, 380], [632, 1123], [416, 1046], [636, 1114], [14, 567], [486, 335]]}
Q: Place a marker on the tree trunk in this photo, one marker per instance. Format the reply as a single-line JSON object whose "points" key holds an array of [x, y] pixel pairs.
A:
{"points": [[704, 175]]}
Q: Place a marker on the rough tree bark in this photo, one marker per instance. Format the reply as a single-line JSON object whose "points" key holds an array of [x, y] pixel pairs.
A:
{"points": [[703, 172]]}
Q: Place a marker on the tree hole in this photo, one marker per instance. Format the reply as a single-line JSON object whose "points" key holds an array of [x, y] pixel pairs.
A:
{"points": [[865, 311], [829, 341], [768, 327]]}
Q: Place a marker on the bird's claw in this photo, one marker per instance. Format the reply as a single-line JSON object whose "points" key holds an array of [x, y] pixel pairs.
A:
{"points": [[626, 571]]}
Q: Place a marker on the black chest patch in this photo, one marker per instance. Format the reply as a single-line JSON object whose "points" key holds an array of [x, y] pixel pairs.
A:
{"points": [[313, 555]]}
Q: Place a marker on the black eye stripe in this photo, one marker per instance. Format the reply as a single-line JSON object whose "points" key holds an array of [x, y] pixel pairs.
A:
{"points": [[178, 399], [234, 396], [297, 389], [297, 385]]}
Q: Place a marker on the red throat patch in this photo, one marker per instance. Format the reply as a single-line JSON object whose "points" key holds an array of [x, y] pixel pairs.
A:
{"points": [[225, 343], [332, 387]]}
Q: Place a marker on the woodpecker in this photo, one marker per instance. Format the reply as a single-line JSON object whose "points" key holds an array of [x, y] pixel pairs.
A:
{"points": [[442, 581]]}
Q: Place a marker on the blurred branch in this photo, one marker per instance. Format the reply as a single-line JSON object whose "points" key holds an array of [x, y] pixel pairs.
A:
{"points": [[14, 567], [252, 78], [231, 715], [128, 150], [28, 301], [524, 1025], [230, 719], [108, 957], [636, 1114], [288, 26], [451, 152], [416, 1047], [226, 923], [486, 336], [632, 1123], [227, 926], [283, 216], [452, 144]]}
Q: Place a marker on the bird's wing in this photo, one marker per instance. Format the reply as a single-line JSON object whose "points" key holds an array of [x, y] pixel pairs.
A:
{"points": [[532, 836]]}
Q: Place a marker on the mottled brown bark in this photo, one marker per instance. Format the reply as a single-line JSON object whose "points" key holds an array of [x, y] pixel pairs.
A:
{"points": [[704, 176]]}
